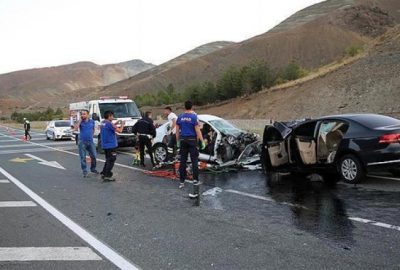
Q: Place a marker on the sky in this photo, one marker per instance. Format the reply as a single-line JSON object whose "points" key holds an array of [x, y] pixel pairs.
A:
{"points": [[41, 33]]}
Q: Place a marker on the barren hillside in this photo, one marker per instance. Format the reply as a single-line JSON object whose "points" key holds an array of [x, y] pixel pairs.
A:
{"points": [[28, 87], [312, 37], [370, 84]]}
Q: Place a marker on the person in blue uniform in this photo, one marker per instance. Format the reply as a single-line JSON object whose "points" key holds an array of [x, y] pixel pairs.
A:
{"points": [[188, 135], [109, 143]]}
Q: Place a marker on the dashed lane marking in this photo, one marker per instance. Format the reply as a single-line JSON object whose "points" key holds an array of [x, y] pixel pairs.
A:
{"points": [[375, 223], [32, 150], [102, 248], [61, 149], [4, 181], [264, 198], [384, 177], [12, 254], [17, 204], [217, 190], [28, 145]]}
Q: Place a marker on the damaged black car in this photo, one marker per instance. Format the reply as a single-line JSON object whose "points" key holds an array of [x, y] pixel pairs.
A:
{"points": [[346, 147]]}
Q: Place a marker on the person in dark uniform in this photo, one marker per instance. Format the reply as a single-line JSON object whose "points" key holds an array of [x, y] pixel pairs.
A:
{"points": [[146, 131], [188, 134], [27, 128]]}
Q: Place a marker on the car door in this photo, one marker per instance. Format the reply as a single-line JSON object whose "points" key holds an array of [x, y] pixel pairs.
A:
{"points": [[305, 142], [330, 134], [274, 148]]}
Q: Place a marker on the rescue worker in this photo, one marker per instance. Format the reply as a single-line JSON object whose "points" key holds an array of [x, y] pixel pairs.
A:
{"points": [[188, 135], [86, 128], [27, 128], [146, 131], [171, 116], [109, 143]]}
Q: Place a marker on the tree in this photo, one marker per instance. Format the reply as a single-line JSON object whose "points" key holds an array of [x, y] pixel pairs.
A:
{"points": [[230, 85], [292, 72], [59, 112]]}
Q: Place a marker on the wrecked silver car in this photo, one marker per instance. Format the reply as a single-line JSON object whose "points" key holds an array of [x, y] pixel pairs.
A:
{"points": [[226, 145]]}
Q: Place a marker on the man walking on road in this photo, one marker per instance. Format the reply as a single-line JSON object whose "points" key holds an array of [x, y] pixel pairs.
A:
{"points": [[86, 145], [27, 128], [171, 116], [109, 143], [187, 136], [146, 131]]}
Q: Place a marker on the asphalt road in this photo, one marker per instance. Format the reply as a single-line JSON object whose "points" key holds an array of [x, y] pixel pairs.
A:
{"points": [[52, 218]]}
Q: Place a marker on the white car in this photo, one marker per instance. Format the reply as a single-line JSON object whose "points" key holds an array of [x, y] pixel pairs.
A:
{"points": [[59, 129], [225, 143]]}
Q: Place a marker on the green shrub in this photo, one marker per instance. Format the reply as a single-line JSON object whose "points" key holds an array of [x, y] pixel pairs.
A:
{"points": [[353, 50]]}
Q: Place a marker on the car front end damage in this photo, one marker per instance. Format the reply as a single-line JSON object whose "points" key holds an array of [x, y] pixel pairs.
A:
{"points": [[242, 151]]}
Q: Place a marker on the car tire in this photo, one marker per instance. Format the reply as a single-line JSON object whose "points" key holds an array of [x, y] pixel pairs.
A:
{"points": [[160, 153], [351, 170], [47, 136], [54, 137]]}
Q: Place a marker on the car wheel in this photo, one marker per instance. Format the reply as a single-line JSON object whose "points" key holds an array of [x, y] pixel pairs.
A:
{"points": [[53, 137], [47, 136], [350, 169], [160, 152], [100, 149]]}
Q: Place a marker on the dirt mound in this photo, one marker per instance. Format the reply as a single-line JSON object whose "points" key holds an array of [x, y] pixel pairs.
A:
{"points": [[370, 84], [312, 37]]}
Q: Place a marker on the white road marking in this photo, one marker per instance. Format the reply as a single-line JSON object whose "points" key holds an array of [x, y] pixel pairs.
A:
{"points": [[375, 223], [17, 204], [362, 220], [384, 177], [53, 164], [102, 248], [4, 181], [32, 150], [8, 140], [12, 254], [28, 145], [250, 195], [61, 149]]}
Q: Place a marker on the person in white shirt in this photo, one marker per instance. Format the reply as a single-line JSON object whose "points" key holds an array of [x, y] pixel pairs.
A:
{"points": [[171, 116]]}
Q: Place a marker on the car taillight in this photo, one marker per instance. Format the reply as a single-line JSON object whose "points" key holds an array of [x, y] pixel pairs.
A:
{"points": [[390, 138]]}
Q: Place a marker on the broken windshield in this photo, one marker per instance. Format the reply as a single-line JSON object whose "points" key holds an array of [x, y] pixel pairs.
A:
{"points": [[226, 127]]}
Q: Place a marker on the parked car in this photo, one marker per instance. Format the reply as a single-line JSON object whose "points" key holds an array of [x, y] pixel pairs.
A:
{"points": [[337, 147], [224, 142], [59, 129]]}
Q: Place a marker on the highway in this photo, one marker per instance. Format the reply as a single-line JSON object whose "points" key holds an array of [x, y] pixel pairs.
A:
{"points": [[53, 218]]}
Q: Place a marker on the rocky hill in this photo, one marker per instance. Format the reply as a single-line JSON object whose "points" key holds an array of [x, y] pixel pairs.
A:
{"points": [[31, 87], [371, 83], [313, 37]]}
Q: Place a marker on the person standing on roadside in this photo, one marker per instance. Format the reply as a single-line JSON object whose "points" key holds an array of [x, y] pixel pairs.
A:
{"points": [[187, 136], [171, 116], [146, 131], [109, 143], [27, 128], [86, 128]]}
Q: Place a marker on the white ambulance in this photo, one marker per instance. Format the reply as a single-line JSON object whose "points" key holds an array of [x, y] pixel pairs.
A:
{"points": [[124, 109]]}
